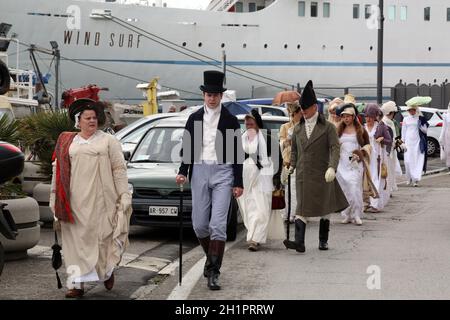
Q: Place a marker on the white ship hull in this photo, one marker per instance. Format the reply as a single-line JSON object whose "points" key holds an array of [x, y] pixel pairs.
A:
{"points": [[414, 49]]}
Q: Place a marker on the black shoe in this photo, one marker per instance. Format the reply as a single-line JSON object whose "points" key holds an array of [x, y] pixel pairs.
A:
{"points": [[299, 243], [213, 281], [324, 228]]}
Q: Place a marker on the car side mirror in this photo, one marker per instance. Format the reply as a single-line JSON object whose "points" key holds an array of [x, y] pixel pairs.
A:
{"points": [[127, 155]]}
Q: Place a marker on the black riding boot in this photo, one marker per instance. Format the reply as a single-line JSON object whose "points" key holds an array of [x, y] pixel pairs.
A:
{"points": [[324, 228], [299, 243], [204, 242], [215, 256]]}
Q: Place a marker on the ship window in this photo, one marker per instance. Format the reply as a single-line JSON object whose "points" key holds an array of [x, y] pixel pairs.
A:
{"points": [[301, 8], [285, 46], [251, 7], [239, 6], [265, 46], [298, 46], [222, 45], [356, 11], [367, 11], [244, 45], [448, 14], [260, 8], [391, 13], [184, 44], [427, 13], [326, 9], [314, 7], [429, 48], [342, 47], [200, 44], [371, 48], [403, 13]]}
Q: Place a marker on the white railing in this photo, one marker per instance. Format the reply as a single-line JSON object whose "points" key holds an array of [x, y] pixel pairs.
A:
{"points": [[21, 88], [221, 5]]}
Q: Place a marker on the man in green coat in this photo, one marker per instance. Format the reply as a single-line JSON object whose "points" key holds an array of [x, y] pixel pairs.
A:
{"points": [[315, 153]]}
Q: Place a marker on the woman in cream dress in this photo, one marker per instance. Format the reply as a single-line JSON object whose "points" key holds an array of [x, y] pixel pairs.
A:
{"points": [[90, 199]]}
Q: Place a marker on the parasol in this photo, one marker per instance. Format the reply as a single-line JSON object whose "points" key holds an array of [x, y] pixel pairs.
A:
{"points": [[285, 96], [418, 101]]}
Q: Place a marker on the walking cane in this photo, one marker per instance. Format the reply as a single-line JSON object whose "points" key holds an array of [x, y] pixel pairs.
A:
{"points": [[180, 253], [289, 209]]}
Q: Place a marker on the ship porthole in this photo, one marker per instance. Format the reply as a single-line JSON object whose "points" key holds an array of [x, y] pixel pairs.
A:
{"points": [[265, 46], [298, 46], [184, 44], [429, 48], [200, 44], [342, 47], [244, 45], [371, 48], [285, 46], [222, 45], [324, 47]]}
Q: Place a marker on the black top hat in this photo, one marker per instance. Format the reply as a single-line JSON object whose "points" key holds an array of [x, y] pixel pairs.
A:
{"points": [[254, 114], [213, 82], [88, 104], [308, 97]]}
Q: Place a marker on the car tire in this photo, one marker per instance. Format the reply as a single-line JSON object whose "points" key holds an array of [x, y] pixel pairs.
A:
{"points": [[232, 220], [433, 147], [4, 78]]}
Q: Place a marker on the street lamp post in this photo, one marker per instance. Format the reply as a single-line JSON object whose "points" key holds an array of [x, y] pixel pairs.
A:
{"points": [[380, 54]]}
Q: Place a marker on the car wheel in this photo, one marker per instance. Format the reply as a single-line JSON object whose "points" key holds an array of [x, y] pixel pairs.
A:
{"points": [[232, 220], [4, 78], [433, 147]]}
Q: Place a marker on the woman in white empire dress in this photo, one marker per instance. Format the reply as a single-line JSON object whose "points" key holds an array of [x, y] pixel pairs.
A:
{"points": [[414, 157], [354, 146], [255, 204], [379, 138]]}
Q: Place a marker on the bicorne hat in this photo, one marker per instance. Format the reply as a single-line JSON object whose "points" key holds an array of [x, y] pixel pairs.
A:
{"points": [[213, 82], [83, 104], [308, 97], [254, 114]]}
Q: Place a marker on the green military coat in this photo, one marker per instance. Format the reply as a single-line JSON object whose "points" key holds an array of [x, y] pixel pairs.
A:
{"points": [[312, 157]]}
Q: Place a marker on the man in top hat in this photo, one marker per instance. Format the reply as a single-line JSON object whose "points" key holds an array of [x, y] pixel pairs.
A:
{"points": [[315, 155], [212, 157]]}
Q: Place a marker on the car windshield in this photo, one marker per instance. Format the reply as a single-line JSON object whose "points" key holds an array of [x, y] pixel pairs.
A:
{"points": [[160, 145]]}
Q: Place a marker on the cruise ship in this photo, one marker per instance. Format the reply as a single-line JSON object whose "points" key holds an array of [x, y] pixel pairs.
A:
{"points": [[265, 46]]}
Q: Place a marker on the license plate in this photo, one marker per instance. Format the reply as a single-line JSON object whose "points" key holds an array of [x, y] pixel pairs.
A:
{"points": [[163, 211]]}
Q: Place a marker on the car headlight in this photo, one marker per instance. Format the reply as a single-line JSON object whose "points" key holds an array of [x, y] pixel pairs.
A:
{"points": [[130, 188]]}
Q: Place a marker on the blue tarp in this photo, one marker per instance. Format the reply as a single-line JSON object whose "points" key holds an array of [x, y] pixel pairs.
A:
{"points": [[236, 108]]}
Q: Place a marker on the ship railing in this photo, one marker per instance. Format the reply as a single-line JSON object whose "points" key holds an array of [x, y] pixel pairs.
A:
{"points": [[221, 5], [21, 88], [22, 84]]}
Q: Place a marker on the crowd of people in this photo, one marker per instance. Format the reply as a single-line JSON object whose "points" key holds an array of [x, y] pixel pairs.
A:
{"points": [[346, 163]]}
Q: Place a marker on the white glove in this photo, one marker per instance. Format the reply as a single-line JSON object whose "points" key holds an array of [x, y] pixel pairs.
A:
{"points": [[355, 158], [125, 201], [291, 170], [330, 175]]}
